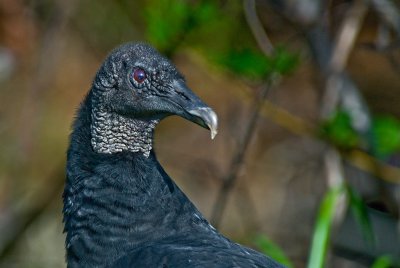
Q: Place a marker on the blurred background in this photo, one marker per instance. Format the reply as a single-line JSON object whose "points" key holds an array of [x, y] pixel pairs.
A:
{"points": [[305, 167]]}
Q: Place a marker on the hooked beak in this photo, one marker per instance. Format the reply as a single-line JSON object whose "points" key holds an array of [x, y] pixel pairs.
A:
{"points": [[194, 109], [206, 117]]}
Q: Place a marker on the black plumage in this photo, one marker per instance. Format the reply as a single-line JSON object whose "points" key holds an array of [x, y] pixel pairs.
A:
{"points": [[120, 207]]}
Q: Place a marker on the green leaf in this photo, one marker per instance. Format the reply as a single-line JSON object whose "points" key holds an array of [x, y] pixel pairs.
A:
{"points": [[166, 21], [170, 22], [339, 130], [386, 135], [253, 64], [247, 62], [322, 230], [205, 12], [359, 210], [284, 62], [385, 261], [269, 248]]}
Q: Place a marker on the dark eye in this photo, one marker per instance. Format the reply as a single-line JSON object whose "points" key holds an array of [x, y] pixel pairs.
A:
{"points": [[139, 75]]}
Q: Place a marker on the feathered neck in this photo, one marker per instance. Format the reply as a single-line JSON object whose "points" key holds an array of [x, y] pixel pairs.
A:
{"points": [[109, 195]]}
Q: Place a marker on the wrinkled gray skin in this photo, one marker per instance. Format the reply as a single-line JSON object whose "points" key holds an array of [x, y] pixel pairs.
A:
{"points": [[120, 207]]}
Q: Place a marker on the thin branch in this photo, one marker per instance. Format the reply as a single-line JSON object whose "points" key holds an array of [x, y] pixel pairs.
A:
{"points": [[301, 127], [388, 12], [342, 47], [347, 35], [238, 159], [335, 179], [256, 27]]}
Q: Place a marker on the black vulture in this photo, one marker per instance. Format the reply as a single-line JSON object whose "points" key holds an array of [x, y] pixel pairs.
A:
{"points": [[121, 209]]}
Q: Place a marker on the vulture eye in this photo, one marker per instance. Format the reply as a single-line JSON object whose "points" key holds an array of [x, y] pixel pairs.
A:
{"points": [[139, 75]]}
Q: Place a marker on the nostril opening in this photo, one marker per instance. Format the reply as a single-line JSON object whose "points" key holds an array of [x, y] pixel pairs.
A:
{"points": [[183, 95]]}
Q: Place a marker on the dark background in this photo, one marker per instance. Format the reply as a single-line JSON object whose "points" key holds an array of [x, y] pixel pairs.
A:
{"points": [[328, 128]]}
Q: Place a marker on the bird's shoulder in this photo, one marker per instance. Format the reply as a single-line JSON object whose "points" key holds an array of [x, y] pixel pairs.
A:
{"points": [[213, 252]]}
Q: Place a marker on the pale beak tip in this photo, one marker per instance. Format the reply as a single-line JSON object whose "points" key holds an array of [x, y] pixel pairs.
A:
{"points": [[206, 118], [214, 133], [213, 123]]}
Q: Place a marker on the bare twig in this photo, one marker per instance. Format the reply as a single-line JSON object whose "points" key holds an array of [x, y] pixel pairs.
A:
{"points": [[238, 158], [339, 88], [301, 127], [335, 179], [256, 27], [347, 35], [389, 13]]}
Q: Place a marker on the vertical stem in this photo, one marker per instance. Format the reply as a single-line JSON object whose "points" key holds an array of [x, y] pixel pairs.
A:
{"points": [[237, 160]]}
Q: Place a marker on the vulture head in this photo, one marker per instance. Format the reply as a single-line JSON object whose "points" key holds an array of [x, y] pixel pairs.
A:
{"points": [[133, 90]]}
